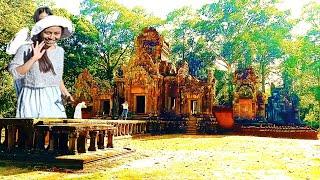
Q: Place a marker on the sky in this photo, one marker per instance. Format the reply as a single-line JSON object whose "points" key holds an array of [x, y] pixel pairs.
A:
{"points": [[161, 8], [72, 6]]}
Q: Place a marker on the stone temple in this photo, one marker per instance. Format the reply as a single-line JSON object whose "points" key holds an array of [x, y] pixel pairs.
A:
{"points": [[149, 83]]}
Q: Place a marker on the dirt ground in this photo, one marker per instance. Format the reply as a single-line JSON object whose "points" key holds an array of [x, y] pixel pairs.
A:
{"points": [[196, 157]]}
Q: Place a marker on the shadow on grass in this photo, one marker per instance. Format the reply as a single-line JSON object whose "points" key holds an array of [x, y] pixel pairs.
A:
{"points": [[9, 168], [12, 168]]}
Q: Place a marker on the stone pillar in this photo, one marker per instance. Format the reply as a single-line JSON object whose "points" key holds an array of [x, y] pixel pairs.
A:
{"points": [[134, 127], [40, 139], [101, 139], [10, 135], [5, 142], [21, 137], [54, 141], [93, 141], [110, 138], [1, 127], [73, 137], [82, 142], [50, 147], [63, 142], [130, 128], [123, 129], [119, 129], [139, 128], [144, 128], [126, 128], [15, 131], [29, 136]]}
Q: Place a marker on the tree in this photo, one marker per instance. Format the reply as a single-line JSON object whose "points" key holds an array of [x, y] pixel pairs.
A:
{"points": [[240, 34], [117, 27], [80, 50], [303, 66], [14, 15], [265, 41], [186, 43]]}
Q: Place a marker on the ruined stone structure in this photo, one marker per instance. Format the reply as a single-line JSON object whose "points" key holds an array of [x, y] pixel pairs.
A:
{"points": [[152, 85], [248, 103], [98, 98], [282, 107]]}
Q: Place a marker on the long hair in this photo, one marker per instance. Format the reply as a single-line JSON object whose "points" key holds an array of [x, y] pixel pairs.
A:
{"points": [[39, 11], [45, 65]]}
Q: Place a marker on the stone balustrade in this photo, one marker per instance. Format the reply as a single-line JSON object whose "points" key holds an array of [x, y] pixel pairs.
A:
{"points": [[66, 136], [16, 133], [279, 132], [71, 138]]}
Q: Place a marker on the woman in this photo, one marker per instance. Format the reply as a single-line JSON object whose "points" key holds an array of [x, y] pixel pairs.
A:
{"points": [[22, 37], [40, 66]]}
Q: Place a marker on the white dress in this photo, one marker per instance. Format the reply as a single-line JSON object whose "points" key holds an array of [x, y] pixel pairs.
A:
{"points": [[40, 95]]}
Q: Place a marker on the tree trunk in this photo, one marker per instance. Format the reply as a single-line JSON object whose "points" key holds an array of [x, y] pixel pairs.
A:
{"points": [[263, 76]]}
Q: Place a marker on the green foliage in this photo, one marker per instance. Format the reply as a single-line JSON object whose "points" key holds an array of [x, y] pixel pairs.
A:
{"points": [[240, 33], [80, 50], [117, 28], [7, 94], [303, 65], [14, 16], [186, 43]]}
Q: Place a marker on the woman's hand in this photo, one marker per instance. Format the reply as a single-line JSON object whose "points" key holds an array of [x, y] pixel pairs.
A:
{"points": [[37, 54], [70, 98], [65, 93], [37, 50]]}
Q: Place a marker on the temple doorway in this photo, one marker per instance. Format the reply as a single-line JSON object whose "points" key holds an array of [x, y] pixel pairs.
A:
{"points": [[106, 107], [193, 106], [140, 104], [246, 109]]}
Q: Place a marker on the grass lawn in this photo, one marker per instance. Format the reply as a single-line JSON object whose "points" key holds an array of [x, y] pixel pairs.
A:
{"points": [[196, 157]]}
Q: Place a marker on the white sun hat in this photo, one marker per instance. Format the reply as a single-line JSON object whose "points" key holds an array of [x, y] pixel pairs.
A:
{"points": [[53, 21]]}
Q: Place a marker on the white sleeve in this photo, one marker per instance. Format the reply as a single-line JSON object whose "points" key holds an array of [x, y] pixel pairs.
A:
{"points": [[19, 59], [20, 39]]}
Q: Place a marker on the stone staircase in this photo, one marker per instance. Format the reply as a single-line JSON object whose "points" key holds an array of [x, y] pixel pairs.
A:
{"points": [[192, 126]]}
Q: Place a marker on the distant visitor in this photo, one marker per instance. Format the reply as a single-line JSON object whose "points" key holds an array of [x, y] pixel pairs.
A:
{"points": [[78, 112], [124, 114]]}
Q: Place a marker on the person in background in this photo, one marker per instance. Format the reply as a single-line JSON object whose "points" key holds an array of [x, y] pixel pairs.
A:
{"points": [[125, 108], [40, 66], [77, 111], [23, 37]]}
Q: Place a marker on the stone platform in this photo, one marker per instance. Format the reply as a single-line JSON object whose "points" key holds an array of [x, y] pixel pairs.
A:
{"points": [[65, 143], [77, 162], [292, 132]]}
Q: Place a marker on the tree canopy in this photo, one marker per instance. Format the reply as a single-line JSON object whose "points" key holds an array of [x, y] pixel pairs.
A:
{"points": [[233, 33]]}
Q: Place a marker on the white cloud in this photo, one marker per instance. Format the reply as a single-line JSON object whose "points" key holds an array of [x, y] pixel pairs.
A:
{"points": [[161, 8], [295, 6], [73, 6]]}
